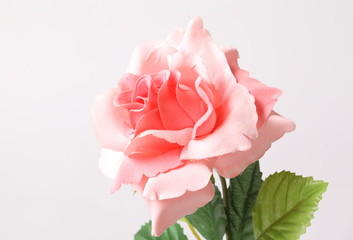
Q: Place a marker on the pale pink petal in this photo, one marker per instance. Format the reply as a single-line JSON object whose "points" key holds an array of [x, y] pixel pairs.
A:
{"points": [[232, 164], [145, 93], [174, 37], [197, 40], [192, 176], [167, 212], [189, 65], [140, 96], [172, 114], [109, 162], [191, 68], [108, 121], [149, 121], [127, 82], [124, 98], [142, 88], [207, 122], [149, 145], [181, 137], [156, 83], [159, 78], [137, 113], [232, 58], [235, 127], [265, 96], [127, 106], [190, 101], [153, 142], [132, 169], [150, 57]]}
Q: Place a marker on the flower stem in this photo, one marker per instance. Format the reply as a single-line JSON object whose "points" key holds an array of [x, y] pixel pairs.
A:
{"points": [[226, 205], [193, 230]]}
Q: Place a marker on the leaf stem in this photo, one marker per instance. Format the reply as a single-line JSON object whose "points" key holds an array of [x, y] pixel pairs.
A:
{"points": [[226, 205], [193, 230]]}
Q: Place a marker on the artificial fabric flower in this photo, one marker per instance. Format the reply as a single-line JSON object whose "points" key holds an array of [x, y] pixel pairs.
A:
{"points": [[183, 109]]}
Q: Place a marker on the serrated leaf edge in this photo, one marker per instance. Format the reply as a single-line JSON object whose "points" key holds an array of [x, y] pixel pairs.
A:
{"points": [[317, 200]]}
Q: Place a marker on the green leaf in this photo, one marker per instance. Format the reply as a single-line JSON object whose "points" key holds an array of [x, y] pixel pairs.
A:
{"points": [[174, 232], [285, 206], [210, 220], [242, 192]]}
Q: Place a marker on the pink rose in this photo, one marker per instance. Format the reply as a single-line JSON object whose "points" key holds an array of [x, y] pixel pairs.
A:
{"points": [[183, 109]]}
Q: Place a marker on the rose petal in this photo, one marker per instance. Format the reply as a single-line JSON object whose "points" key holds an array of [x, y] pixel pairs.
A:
{"points": [[167, 212], [207, 122], [172, 114], [145, 94], [232, 164], [124, 98], [192, 176], [191, 68], [149, 121], [140, 97], [236, 125], [175, 37], [149, 145], [265, 96], [142, 88], [150, 57], [108, 121], [232, 56], [190, 101], [128, 82], [153, 142], [157, 81], [197, 40], [109, 162], [132, 169], [136, 114], [189, 65]]}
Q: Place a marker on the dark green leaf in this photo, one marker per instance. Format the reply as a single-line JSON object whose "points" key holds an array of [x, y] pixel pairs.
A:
{"points": [[174, 232], [285, 206], [242, 192], [210, 220]]}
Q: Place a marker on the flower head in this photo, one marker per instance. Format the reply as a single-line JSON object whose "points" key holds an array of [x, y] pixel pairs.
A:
{"points": [[183, 109]]}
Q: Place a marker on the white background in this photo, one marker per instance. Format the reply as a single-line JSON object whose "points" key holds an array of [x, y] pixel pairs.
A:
{"points": [[56, 56]]}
